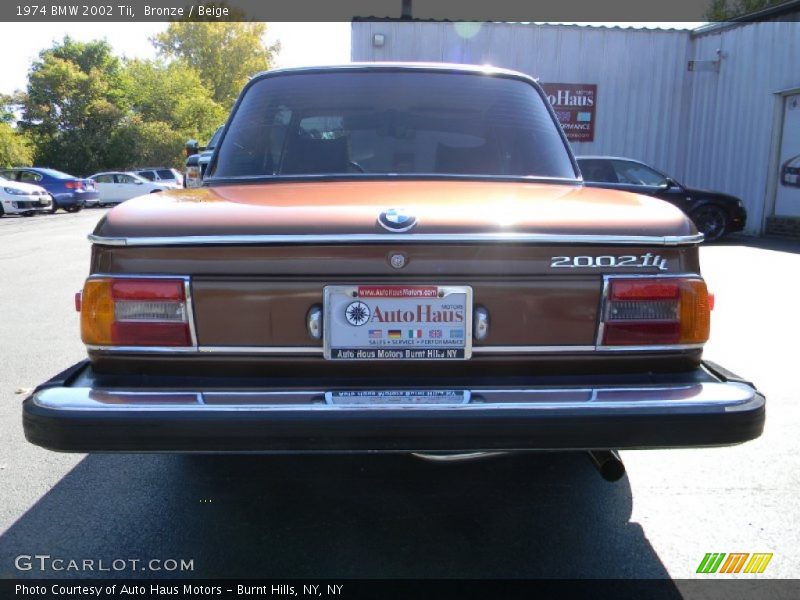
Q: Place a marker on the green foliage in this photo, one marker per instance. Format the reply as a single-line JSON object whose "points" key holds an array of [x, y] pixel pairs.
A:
{"points": [[74, 101], [172, 94], [85, 110], [224, 54], [15, 149], [724, 10], [152, 143]]}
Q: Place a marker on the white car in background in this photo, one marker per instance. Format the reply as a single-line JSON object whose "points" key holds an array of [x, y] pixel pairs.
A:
{"points": [[117, 186], [162, 175], [18, 198]]}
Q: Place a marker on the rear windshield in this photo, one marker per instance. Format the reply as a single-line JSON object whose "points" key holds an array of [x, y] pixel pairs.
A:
{"points": [[165, 174], [392, 123]]}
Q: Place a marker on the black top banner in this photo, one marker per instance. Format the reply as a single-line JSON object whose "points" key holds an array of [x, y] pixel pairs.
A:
{"points": [[348, 10]]}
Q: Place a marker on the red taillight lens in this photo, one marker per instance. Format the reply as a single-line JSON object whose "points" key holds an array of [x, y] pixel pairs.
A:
{"points": [[655, 311], [135, 312], [74, 185]]}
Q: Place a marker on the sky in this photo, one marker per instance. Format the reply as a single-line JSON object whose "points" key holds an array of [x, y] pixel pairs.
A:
{"points": [[302, 44]]}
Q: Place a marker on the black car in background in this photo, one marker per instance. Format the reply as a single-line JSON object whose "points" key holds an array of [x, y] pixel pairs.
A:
{"points": [[715, 214]]}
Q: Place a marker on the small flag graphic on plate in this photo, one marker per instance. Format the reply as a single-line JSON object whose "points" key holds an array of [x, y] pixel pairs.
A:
{"points": [[375, 334], [435, 333], [414, 333], [456, 334], [394, 334]]}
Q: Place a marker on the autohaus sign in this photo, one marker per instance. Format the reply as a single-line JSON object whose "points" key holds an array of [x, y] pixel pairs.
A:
{"points": [[574, 104]]}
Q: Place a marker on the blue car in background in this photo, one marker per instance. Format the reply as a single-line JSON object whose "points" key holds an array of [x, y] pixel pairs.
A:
{"points": [[68, 192]]}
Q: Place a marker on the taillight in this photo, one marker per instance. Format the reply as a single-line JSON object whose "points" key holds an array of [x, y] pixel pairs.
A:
{"points": [[74, 185], [657, 311], [135, 312]]}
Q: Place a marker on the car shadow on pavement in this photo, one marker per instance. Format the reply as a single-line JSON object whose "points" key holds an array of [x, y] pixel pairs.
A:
{"points": [[342, 516]]}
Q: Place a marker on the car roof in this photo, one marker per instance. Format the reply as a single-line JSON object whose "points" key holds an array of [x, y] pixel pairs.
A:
{"points": [[396, 66], [598, 157]]}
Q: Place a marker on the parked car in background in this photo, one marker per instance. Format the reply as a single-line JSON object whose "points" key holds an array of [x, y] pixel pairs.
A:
{"points": [[196, 164], [790, 172], [23, 198], [162, 175], [118, 186], [714, 213], [68, 192]]}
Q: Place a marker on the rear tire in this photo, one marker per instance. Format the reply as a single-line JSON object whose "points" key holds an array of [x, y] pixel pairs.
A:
{"points": [[54, 208], [711, 220]]}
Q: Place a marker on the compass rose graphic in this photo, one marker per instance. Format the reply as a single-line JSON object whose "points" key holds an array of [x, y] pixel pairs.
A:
{"points": [[357, 313]]}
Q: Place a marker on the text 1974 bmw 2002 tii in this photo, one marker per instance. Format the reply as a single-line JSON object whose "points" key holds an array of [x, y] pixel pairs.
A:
{"points": [[393, 258]]}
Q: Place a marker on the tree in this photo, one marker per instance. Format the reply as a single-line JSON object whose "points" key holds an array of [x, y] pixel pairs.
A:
{"points": [[15, 149], [724, 10], [74, 102], [224, 54], [137, 142], [172, 94]]}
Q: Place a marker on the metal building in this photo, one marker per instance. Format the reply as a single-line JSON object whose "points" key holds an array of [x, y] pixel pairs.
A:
{"points": [[717, 107]]}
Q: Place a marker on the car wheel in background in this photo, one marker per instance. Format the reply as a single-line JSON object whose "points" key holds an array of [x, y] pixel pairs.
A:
{"points": [[2, 212], [156, 191], [73, 209], [710, 220], [54, 208]]}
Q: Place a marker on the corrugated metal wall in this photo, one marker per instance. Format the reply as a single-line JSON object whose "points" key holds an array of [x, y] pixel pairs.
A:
{"points": [[705, 128], [629, 66], [731, 113]]}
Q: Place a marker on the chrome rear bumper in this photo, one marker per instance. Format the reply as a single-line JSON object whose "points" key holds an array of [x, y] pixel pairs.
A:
{"points": [[709, 407]]}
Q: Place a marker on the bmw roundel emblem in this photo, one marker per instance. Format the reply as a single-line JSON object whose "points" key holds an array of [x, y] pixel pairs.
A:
{"points": [[397, 220]]}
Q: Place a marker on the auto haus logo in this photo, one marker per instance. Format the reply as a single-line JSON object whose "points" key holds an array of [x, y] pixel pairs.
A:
{"points": [[735, 562], [359, 313], [575, 105]]}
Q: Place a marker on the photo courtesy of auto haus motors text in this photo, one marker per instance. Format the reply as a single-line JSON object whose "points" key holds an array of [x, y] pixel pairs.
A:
{"points": [[186, 590]]}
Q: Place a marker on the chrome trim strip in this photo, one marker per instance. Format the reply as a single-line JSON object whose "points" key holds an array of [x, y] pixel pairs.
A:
{"points": [[710, 395], [397, 238], [529, 349], [187, 291], [299, 350]]}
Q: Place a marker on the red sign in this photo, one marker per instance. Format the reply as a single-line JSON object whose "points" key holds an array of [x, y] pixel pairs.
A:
{"points": [[574, 104]]}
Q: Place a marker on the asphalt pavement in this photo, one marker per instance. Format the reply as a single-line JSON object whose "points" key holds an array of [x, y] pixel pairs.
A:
{"points": [[542, 515]]}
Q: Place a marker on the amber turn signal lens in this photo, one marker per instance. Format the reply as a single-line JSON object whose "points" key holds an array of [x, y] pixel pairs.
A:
{"points": [[695, 312], [97, 312]]}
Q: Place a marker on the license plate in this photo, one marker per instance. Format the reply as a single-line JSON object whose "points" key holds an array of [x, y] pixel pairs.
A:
{"points": [[397, 322], [397, 397]]}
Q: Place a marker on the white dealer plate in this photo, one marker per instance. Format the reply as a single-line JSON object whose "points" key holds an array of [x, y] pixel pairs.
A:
{"points": [[397, 322], [397, 397]]}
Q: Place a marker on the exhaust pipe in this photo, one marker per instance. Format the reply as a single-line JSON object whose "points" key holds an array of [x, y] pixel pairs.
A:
{"points": [[608, 464]]}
